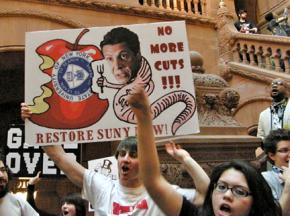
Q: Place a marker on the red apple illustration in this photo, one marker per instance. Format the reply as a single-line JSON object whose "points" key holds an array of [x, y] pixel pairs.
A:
{"points": [[67, 101]]}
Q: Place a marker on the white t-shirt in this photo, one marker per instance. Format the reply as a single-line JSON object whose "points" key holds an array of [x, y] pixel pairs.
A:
{"points": [[11, 205], [108, 197]]}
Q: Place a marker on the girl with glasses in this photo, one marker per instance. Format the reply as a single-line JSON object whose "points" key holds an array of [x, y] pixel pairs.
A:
{"points": [[235, 189]]}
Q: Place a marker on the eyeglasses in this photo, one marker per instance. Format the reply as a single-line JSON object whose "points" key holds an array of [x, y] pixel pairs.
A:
{"points": [[277, 83], [283, 150], [3, 169], [237, 190]]}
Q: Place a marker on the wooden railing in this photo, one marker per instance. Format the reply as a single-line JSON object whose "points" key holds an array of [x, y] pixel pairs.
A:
{"points": [[263, 51]]}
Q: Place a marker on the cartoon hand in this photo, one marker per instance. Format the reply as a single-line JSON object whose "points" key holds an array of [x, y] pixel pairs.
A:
{"points": [[102, 82]]}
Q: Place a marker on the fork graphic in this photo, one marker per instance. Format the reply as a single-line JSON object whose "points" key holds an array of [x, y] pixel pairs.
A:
{"points": [[100, 70]]}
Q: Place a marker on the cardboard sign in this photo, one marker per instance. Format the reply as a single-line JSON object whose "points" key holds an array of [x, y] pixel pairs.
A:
{"points": [[77, 82], [106, 166], [26, 160]]}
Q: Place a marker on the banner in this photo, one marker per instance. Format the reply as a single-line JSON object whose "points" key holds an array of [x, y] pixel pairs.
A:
{"points": [[26, 160], [77, 82]]}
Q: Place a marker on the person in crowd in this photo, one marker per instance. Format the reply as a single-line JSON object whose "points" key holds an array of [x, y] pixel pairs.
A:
{"points": [[124, 196], [235, 188], [10, 204], [71, 205], [277, 148], [278, 114], [244, 25], [278, 25]]}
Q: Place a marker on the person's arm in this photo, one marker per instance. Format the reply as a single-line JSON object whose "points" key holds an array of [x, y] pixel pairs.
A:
{"points": [[253, 27], [199, 176], [31, 189], [72, 169], [237, 25], [285, 197], [30, 198], [163, 194]]}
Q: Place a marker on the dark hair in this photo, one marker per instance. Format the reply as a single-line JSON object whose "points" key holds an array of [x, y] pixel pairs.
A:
{"points": [[8, 170], [129, 143], [263, 201], [122, 35], [269, 16], [77, 201], [274, 137], [242, 11]]}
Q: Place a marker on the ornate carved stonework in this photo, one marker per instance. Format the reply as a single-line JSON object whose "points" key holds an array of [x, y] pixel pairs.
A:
{"points": [[216, 106], [43, 15], [225, 35], [216, 102], [255, 73], [201, 79], [132, 10], [256, 50], [229, 100], [208, 151], [176, 174], [196, 62], [209, 80]]}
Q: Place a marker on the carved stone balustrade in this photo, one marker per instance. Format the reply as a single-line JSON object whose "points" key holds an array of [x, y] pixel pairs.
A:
{"points": [[197, 7], [263, 51], [194, 11]]}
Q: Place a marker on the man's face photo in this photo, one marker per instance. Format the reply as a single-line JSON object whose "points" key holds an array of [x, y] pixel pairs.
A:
{"points": [[123, 61], [3, 179]]}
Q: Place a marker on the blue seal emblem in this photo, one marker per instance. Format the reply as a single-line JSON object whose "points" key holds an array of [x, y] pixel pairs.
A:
{"points": [[72, 76]]}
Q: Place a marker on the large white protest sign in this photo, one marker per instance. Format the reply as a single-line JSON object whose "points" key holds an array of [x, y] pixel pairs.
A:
{"points": [[77, 82]]}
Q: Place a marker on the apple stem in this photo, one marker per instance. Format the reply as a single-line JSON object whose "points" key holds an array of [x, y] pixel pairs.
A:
{"points": [[79, 37]]}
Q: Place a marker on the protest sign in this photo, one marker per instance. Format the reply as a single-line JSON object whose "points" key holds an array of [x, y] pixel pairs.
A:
{"points": [[77, 82], [26, 160], [107, 166]]}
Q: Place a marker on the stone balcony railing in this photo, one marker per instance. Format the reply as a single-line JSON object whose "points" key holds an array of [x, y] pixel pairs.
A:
{"points": [[263, 51], [200, 11], [197, 7], [267, 54]]}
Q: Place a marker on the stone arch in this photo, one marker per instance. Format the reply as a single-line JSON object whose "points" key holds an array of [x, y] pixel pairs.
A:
{"points": [[247, 113]]}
